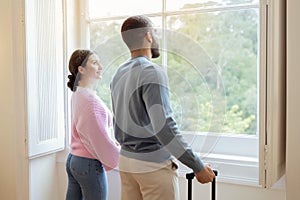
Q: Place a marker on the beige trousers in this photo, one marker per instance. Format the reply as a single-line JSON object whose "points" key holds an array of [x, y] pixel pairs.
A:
{"points": [[161, 184]]}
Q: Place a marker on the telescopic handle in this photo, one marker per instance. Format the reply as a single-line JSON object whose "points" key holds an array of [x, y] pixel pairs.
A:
{"points": [[190, 177]]}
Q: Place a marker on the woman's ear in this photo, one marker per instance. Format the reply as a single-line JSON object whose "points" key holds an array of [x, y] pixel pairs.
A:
{"points": [[81, 69]]}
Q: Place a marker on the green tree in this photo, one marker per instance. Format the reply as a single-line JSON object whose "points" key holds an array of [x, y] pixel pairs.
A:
{"points": [[230, 39]]}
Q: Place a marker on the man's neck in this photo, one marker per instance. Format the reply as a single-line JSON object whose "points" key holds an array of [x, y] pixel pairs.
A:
{"points": [[141, 52]]}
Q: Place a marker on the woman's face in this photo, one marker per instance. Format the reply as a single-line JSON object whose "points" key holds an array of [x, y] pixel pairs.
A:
{"points": [[93, 68]]}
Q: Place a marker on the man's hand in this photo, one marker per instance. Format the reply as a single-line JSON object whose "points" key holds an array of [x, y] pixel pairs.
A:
{"points": [[206, 175]]}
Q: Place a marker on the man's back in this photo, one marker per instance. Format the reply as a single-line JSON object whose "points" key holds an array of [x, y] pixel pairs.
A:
{"points": [[135, 81]]}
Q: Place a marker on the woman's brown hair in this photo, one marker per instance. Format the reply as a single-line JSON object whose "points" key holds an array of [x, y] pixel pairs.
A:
{"points": [[78, 58]]}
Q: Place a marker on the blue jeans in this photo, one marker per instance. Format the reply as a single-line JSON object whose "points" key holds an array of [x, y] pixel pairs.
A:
{"points": [[86, 179]]}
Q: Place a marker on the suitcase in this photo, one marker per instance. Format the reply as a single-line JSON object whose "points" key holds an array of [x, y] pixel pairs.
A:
{"points": [[190, 177]]}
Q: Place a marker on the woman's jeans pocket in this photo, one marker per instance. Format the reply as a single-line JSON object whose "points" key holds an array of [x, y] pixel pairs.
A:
{"points": [[80, 166]]}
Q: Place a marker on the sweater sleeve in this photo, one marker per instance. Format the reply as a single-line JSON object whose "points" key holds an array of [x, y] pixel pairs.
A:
{"points": [[93, 129], [157, 101]]}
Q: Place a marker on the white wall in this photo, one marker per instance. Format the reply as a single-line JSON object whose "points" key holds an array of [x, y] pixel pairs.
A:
{"points": [[44, 178], [293, 101], [7, 144], [14, 164], [227, 191]]}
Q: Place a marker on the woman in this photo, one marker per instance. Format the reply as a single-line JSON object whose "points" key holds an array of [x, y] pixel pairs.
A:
{"points": [[92, 149]]}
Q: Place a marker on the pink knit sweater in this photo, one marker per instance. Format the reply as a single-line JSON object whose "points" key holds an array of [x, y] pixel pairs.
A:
{"points": [[91, 124]]}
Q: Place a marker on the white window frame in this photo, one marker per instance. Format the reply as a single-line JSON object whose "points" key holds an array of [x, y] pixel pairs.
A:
{"points": [[272, 102], [45, 91], [247, 166]]}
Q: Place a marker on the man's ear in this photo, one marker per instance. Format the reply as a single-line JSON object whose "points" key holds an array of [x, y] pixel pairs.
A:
{"points": [[149, 37]]}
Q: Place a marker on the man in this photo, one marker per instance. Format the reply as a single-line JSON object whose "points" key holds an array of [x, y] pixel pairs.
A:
{"points": [[143, 122]]}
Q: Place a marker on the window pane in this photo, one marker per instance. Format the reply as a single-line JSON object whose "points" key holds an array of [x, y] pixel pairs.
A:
{"points": [[106, 41], [110, 8], [230, 40], [192, 4], [100, 32]]}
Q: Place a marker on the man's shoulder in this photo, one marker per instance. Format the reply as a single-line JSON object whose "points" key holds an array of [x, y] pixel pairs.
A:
{"points": [[151, 67], [144, 62]]}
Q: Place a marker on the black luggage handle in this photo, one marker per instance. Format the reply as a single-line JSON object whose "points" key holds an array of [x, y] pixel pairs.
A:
{"points": [[190, 177]]}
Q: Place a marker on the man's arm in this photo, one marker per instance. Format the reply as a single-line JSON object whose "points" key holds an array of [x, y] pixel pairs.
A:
{"points": [[157, 101]]}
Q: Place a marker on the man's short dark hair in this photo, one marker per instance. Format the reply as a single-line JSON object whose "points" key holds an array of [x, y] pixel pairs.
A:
{"points": [[134, 29]]}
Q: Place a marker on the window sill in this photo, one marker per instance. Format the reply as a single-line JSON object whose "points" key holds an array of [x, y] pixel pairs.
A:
{"points": [[234, 156], [232, 169]]}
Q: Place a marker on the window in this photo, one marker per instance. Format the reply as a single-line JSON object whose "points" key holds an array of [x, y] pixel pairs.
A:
{"points": [[45, 77], [211, 50]]}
